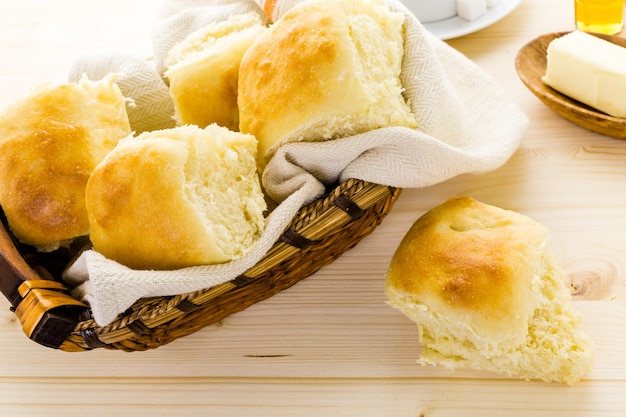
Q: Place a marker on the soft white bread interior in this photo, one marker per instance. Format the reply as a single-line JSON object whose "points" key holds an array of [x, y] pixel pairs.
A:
{"points": [[178, 197], [203, 70], [50, 142], [486, 294], [325, 69]]}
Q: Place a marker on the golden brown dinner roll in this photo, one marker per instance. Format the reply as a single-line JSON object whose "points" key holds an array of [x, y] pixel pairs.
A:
{"points": [[204, 68], [325, 69], [177, 197], [486, 294], [50, 142]]}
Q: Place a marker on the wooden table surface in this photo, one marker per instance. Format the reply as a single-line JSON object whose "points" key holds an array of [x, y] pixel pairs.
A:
{"points": [[331, 346]]}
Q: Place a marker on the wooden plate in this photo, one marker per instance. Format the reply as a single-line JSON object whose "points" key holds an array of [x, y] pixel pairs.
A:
{"points": [[530, 64]]}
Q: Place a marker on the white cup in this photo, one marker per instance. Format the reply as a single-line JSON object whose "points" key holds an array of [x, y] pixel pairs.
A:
{"points": [[431, 10]]}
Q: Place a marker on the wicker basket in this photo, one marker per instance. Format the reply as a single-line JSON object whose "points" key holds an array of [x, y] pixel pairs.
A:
{"points": [[317, 236]]}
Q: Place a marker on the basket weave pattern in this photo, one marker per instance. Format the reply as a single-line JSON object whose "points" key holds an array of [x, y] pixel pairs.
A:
{"points": [[318, 235]]}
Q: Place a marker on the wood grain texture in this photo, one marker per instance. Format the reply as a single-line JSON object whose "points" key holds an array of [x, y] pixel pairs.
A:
{"points": [[330, 345]]}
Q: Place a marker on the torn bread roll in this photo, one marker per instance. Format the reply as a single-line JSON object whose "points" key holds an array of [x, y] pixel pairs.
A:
{"points": [[203, 71], [178, 197], [487, 294], [325, 69], [50, 142]]}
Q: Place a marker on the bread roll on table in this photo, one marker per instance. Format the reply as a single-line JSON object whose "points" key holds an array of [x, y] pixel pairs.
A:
{"points": [[487, 294], [178, 197], [50, 142], [325, 69]]}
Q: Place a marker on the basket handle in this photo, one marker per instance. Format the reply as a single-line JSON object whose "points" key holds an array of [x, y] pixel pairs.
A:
{"points": [[47, 312], [13, 269]]}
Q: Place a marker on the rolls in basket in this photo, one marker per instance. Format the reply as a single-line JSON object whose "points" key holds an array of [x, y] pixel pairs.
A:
{"points": [[334, 92]]}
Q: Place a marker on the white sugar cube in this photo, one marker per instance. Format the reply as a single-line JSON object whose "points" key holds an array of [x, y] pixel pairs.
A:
{"points": [[471, 9], [491, 3]]}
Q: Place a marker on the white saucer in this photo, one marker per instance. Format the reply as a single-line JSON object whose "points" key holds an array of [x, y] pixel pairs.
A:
{"points": [[457, 26]]}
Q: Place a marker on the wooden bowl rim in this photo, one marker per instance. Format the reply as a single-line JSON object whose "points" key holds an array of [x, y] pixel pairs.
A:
{"points": [[566, 107]]}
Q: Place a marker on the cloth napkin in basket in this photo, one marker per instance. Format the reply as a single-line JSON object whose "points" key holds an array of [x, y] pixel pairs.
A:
{"points": [[467, 124]]}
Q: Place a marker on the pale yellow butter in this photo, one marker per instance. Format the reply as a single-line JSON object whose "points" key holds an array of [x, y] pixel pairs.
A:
{"points": [[590, 70]]}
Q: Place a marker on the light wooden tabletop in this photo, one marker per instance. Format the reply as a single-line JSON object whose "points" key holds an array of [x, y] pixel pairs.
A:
{"points": [[331, 345]]}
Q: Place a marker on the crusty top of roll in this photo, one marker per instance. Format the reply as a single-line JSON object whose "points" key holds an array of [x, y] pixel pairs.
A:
{"points": [[487, 294], [325, 69], [177, 197], [50, 142], [468, 259]]}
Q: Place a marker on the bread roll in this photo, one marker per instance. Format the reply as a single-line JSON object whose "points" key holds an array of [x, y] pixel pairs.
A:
{"points": [[325, 69], [177, 197], [487, 294], [203, 71], [50, 142]]}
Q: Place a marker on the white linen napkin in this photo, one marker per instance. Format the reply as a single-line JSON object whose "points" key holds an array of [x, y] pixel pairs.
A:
{"points": [[467, 124]]}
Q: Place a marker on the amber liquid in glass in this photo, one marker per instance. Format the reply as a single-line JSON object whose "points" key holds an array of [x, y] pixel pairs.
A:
{"points": [[600, 16]]}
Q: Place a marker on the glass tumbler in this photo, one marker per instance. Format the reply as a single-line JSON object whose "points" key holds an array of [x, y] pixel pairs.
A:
{"points": [[599, 16]]}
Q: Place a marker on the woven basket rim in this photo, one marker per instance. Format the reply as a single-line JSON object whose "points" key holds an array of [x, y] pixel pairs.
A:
{"points": [[325, 219]]}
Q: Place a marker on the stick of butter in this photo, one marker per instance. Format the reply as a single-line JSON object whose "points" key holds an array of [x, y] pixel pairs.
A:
{"points": [[590, 70]]}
